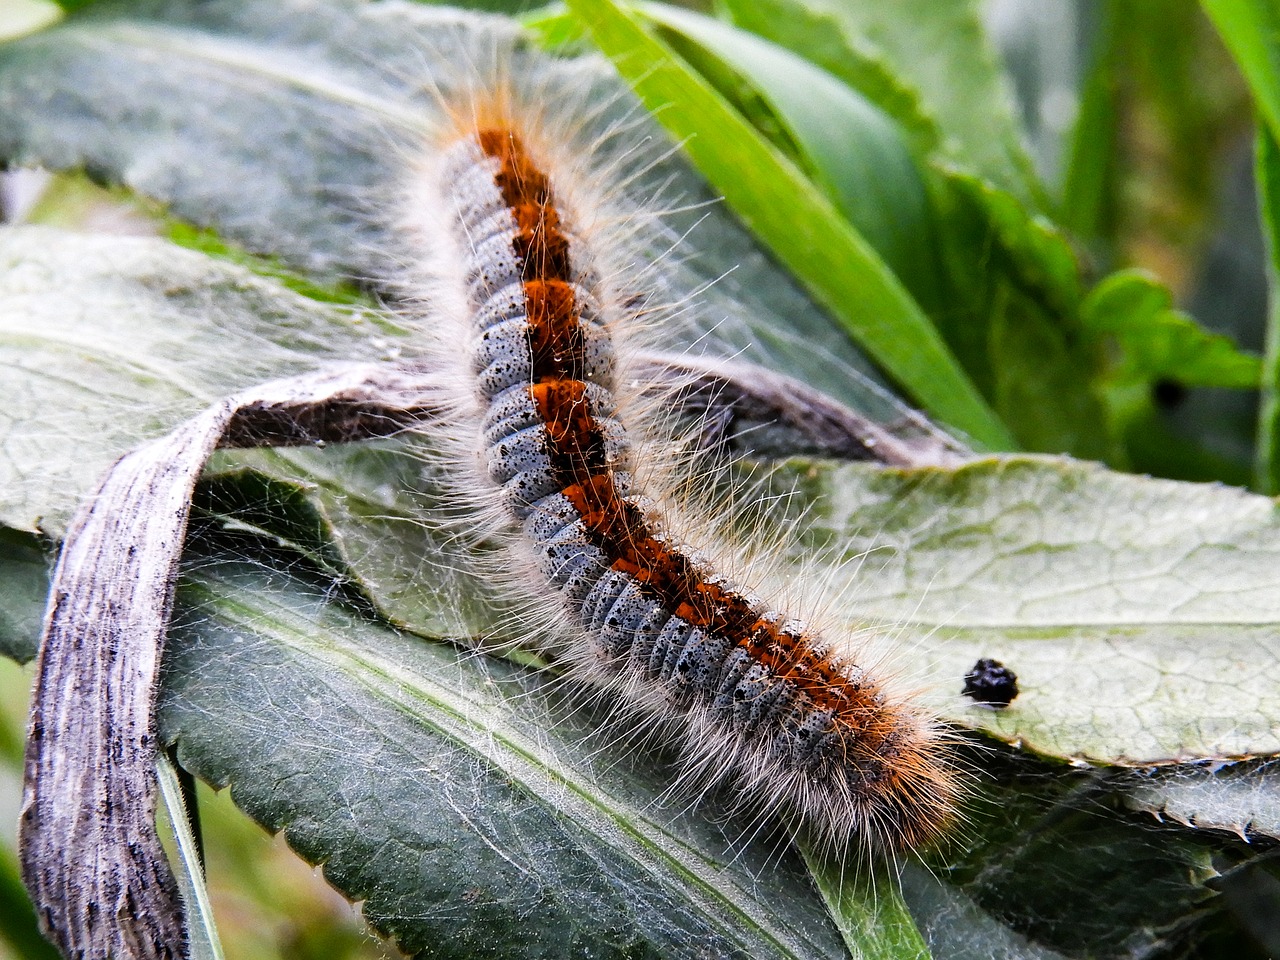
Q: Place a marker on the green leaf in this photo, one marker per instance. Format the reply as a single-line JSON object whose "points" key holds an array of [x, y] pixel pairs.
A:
{"points": [[868, 908], [1015, 323], [23, 589], [844, 143], [72, 201], [175, 145], [1090, 184], [957, 92], [801, 228], [469, 808], [1157, 341], [430, 750], [433, 754], [1243, 799], [1041, 379], [116, 339], [1140, 615], [1040, 260]]}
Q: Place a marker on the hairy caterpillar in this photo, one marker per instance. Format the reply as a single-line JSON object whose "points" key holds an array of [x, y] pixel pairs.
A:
{"points": [[525, 305]]}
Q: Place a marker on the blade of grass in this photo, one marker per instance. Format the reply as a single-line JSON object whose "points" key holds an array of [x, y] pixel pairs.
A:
{"points": [[1088, 190], [798, 224], [866, 904], [1267, 455], [1251, 32], [188, 867]]}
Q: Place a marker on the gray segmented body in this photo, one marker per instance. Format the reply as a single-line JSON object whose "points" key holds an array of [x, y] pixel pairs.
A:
{"points": [[543, 363], [628, 626]]}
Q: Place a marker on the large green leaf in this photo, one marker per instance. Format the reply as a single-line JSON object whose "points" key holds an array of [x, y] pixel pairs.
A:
{"points": [[472, 811], [1098, 589], [269, 671], [1140, 615], [1250, 32]]}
